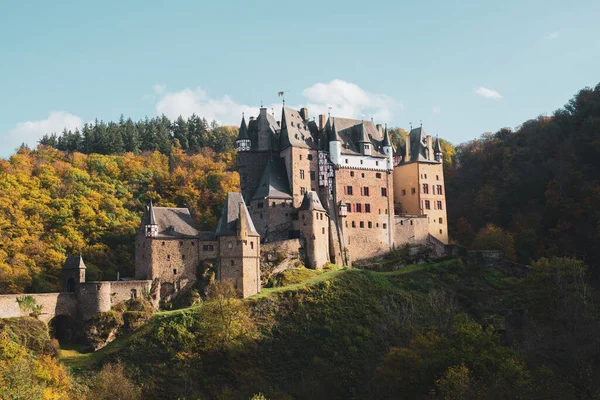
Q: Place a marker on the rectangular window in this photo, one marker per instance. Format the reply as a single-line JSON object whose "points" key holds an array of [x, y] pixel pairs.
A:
{"points": [[358, 207], [349, 207], [300, 154], [370, 224], [301, 174], [346, 161], [364, 191], [384, 226], [378, 175], [441, 221], [302, 190], [437, 177], [348, 190], [403, 192], [439, 205], [180, 243], [427, 205], [362, 224], [353, 224], [183, 256], [168, 256], [413, 191], [377, 163], [312, 175], [351, 173], [259, 205], [439, 189], [310, 156], [425, 188], [384, 192], [174, 272], [425, 176], [367, 208], [251, 245]]}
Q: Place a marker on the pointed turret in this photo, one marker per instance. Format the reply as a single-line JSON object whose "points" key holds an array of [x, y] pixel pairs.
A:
{"points": [[151, 227], [437, 150], [335, 146], [242, 143], [363, 141], [333, 134], [388, 150]]}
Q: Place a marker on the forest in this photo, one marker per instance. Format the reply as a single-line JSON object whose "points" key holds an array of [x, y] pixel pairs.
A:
{"points": [[538, 185]]}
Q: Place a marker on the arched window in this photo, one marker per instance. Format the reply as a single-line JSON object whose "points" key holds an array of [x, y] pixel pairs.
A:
{"points": [[71, 285]]}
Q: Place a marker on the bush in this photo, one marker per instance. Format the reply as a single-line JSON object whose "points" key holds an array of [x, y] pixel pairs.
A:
{"points": [[112, 383], [139, 304], [292, 276], [29, 332], [27, 303], [101, 329], [133, 320]]}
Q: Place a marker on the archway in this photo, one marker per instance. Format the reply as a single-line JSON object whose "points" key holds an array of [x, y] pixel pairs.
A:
{"points": [[65, 329]]}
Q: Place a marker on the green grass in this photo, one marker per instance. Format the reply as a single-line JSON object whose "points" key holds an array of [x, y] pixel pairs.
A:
{"points": [[325, 276]]}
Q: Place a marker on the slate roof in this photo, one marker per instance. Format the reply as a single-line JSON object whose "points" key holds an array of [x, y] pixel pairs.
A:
{"points": [[264, 132], [418, 146], [296, 132], [437, 148], [311, 201], [74, 262], [274, 181], [243, 133], [230, 216], [172, 222], [352, 131]]}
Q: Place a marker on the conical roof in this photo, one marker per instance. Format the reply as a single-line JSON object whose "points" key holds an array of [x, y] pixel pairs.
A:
{"points": [[438, 147], [333, 134], [243, 134], [386, 138], [151, 216]]}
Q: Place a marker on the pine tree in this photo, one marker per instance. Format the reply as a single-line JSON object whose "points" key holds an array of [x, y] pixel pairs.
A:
{"points": [[181, 133]]}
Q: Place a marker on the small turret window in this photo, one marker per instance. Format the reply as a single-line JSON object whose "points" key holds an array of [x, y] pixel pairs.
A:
{"points": [[230, 245]]}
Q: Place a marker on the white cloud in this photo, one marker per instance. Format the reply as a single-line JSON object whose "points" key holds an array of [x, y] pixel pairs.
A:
{"points": [[436, 110], [488, 93], [345, 99], [553, 35], [31, 131]]}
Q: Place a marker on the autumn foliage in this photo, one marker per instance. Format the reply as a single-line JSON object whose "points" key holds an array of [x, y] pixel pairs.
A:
{"points": [[53, 204]]}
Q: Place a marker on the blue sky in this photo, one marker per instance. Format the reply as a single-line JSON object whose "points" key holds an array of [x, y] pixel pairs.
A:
{"points": [[463, 67]]}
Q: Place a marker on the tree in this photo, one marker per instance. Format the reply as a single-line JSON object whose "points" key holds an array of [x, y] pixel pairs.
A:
{"points": [[493, 238], [112, 383]]}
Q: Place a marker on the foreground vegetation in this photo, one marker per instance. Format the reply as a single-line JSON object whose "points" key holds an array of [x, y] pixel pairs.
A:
{"points": [[442, 330]]}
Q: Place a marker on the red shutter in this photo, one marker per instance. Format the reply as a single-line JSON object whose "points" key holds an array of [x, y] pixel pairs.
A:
{"points": [[361, 191], [345, 189]]}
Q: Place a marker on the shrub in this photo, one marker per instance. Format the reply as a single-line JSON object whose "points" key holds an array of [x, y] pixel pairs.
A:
{"points": [[27, 303], [112, 383], [133, 320], [292, 276], [139, 304]]}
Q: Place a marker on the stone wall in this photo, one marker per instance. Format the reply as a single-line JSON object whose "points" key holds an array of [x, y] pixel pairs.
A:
{"points": [[53, 304], [175, 262], [93, 298], [314, 226], [272, 216], [239, 263], [122, 290], [410, 229]]}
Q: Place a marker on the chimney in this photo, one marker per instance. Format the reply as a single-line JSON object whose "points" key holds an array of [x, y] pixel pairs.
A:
{"points": [[407, 155], [429, 147], [379, 128], [322, 121], [252, 118], [279, 124], [304, 113], [263, 111]]}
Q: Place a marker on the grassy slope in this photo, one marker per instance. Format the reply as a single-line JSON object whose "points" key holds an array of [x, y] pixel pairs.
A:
{"points": [[322, 338]]}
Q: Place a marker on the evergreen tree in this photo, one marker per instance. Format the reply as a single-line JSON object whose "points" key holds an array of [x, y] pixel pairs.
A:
{"points": [[181, 132]]}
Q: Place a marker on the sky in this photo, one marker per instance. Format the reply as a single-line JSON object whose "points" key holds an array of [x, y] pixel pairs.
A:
{"points": [[461, 68]]}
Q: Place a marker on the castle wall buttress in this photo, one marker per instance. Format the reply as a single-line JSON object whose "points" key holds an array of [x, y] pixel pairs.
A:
{"points": [[314, 226]]}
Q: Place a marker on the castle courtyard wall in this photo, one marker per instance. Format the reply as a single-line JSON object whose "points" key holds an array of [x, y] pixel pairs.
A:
{"points": [[122, 290], [410, 229], [53, 304]]}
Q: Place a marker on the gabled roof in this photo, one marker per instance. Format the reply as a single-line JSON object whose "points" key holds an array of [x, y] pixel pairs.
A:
{"points": [[172, 222], [74, 262], [352, 131], [311, 201], [274, 181], [296, 132], [229, 223]]}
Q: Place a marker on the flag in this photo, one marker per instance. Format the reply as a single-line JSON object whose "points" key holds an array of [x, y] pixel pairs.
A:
{"points": [[280, 94]]}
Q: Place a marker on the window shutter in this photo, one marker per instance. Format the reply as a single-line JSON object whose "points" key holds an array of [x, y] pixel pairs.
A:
{"points": [[345, 189]]}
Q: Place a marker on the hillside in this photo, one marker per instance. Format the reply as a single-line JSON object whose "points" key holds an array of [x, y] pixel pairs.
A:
{"points": [[540, 183], [360, 334], [54, 204]]}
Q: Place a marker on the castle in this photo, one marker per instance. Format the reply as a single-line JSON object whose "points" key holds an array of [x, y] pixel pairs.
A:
{"points": [[335, 188], [332, 190]]}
